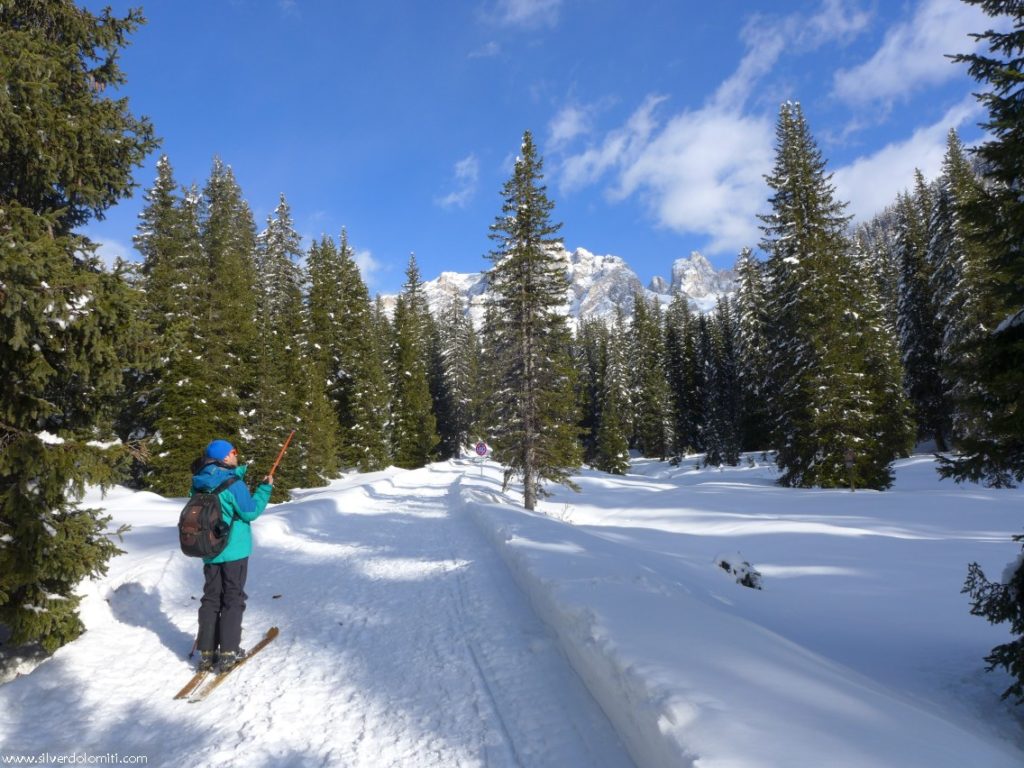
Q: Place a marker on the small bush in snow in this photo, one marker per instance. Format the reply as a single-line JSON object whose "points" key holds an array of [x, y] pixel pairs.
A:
{"points": [[1001, 602]]}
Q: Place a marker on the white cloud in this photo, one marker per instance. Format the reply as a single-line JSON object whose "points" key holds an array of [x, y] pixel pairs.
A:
{"points": [[767, 38], [872, 182], [368, 266], [467, 173], [619, 147], [701, 171], [570, 122], [912, 55], [528, 12]]}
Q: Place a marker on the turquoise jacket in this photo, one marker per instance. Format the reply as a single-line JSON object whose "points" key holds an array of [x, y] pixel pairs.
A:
{"points": [[238, 507]]}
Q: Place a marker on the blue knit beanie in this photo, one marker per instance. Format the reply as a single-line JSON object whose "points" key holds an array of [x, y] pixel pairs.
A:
{"points": [[218, 450]]}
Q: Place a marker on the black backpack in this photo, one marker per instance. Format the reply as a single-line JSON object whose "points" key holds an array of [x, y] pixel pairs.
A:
{"points": [[202, 531]]}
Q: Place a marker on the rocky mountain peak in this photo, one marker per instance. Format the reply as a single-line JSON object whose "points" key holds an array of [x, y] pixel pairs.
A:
{"points": [[597, 285]]}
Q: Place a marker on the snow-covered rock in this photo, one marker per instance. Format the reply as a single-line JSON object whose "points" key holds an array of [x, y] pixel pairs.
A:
{"points": [[695, 277]]}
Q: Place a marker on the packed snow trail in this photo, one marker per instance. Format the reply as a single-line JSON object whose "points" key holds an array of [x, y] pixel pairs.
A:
{"points": [[405, 642]]}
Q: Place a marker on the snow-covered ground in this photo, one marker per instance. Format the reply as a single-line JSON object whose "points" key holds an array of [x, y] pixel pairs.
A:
{"points": [[427, 620]]}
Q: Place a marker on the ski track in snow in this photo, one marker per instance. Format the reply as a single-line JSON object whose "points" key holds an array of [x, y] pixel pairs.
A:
{"points": [[404, 642]]}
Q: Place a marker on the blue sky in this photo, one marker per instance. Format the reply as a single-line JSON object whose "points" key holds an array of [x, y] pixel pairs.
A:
{"points": [[400, 119]]}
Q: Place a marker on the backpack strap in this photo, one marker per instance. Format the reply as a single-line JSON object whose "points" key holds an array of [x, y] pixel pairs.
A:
{"points": [[224, 486]]}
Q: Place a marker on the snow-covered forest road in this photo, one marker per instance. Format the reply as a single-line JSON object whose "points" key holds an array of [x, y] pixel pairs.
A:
{"points": [[405, 642]]}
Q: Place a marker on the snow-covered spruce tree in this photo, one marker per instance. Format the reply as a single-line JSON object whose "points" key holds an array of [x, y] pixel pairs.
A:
{"points": [[208, 377], [485, 399], [383, 355], [175, 409], [711, 426], [63, 318], [919, 334], [459, 360], [324, 317], [351, 351], [612, 443], [318, 460], [993, 448], [276, 399], [415, 436], [162, 242], [590, 343], [874, 343], [959, 252], [721, 391], [751, 353], [876, 239], [820, 345], [231, 331], [367, 394], [995, 454], [440, 392], [536, 432], [684, 376], [649, 393]]}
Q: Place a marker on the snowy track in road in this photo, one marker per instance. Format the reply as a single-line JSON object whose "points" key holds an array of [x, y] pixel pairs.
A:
{"points": [[405, 642]]}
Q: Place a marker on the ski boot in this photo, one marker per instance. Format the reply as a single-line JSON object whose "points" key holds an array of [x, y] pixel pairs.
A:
{"points": [[207, 661], [229, 659]]}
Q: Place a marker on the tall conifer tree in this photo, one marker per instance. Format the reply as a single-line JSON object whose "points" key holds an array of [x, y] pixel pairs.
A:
{"points": [[711, 426], [919, 334], [416, 438], [996, 453], [230, 329], [959, 252], [176, 407], [820, 346], [64, 320], [993, 451], [612, 440], [536, 432], [209, 376], [164, 276], [684, 375], [350, 347], [721, 391], [485, 403], [590, 359], [751, 352], [276, 399], [650, 396], [459, 361]]}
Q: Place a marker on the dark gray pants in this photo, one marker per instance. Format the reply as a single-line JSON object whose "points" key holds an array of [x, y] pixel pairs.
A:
{"points": [[222, 606]]}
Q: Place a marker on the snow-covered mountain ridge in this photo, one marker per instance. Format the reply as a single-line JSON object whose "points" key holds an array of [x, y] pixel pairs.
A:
{"points": [[597, 284]]}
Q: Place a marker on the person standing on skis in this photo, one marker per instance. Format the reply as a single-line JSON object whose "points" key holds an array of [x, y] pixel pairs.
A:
{"points": [[223, 603]]}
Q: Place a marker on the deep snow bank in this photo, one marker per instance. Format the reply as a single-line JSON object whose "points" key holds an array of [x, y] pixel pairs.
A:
{"points": [[688, 680]]}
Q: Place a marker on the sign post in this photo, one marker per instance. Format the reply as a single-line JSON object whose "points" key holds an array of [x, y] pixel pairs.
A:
{"points": [[482, 449]]}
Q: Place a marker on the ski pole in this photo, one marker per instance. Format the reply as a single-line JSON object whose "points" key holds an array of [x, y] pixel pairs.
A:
{"points": [[280, 456]]}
